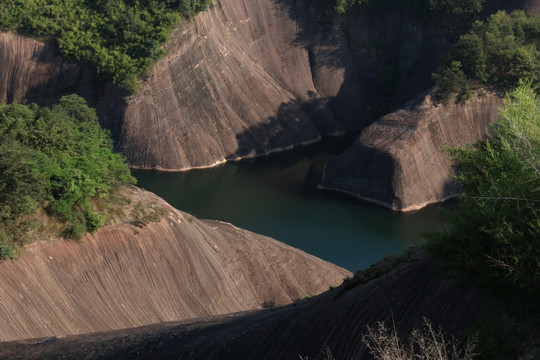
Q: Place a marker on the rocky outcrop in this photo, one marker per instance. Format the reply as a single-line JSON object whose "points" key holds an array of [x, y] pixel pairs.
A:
{"points": [[125, 276], [402, 299], [31, 71], [400, 160], [242, 79]]}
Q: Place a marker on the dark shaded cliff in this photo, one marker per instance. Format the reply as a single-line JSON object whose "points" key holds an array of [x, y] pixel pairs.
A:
{"points": [[406, 295], [124, 276]]}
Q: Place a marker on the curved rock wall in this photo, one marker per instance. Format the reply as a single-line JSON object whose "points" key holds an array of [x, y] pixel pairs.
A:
{"points": [[400, 299], [125, 276], [400, 160], [242, 79]]}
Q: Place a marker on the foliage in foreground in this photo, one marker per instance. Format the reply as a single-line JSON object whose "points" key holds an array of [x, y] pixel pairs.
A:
{"points": [[426, 344], [493, 239], [54, 161], [120, 38], [495, 54]]}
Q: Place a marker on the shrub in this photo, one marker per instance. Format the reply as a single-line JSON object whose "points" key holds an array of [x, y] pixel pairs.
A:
{"points": [[427, 344], [57, 160]]}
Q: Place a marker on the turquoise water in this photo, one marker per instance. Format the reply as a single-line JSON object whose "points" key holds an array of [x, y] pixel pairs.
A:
{"points": [[277, 196]]}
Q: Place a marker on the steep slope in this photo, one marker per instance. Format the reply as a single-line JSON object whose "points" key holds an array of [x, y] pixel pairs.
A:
{"points": [[405, 296], [244, 78], [125, 276], [400, 160]]}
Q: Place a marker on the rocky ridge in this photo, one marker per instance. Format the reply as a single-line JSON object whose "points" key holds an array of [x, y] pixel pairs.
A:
{"points": [[335, 320], [401, 162], [178, 268]]}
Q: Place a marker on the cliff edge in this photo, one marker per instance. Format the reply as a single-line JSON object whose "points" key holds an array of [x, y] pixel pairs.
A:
{"points": [[400, 161], [178, 268]]}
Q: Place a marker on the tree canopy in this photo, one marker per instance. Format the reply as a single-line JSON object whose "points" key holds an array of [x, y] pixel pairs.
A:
{"points": [[493, 239], [55, 160], [120, 38], [496, 53]]}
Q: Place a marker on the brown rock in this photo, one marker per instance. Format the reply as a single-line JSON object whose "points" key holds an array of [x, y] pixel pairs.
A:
{"points": [[401, 299], [400, 161], [243, 79], [125, 276]]}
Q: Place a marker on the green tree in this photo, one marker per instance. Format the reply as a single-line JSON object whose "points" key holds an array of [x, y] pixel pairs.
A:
{"points": [[493, 54], [493, 239], [55, 160]]}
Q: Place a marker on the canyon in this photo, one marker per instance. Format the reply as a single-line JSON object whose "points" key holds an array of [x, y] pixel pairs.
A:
{"points": [[243, 79], [248, 78]]}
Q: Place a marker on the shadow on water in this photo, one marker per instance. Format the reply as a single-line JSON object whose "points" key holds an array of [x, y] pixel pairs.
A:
{"points": [[277, 196]]}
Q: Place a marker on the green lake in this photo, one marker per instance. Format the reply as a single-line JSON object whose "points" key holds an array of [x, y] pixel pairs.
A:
{"points": [[277, 196]]}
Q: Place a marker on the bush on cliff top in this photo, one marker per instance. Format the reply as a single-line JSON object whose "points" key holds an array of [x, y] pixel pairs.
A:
{"points": [[496, 53], [120, 38], [54, 161]]}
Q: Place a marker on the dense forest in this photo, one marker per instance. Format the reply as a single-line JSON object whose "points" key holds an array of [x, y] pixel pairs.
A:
{"points": [[120, 38], [53, 163]]}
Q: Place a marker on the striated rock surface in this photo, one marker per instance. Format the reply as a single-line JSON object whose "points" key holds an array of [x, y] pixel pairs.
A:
{"points": [[34, 72], [242, 79], [400, 160], [403, 297], [125, 276]]}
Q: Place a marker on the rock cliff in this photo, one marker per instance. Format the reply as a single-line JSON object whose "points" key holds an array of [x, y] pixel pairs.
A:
{"points": [[242, 79], [125, 276], [403, 297], [400, 160]]}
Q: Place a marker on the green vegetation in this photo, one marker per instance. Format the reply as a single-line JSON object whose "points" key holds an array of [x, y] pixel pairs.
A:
{"points": [[120, 38], [493, 240], [494, 54], [53, 162]]}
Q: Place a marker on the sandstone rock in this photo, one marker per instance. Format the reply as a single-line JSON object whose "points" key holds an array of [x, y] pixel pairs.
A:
{"points": [[243, 79], [401, 299], [400, 160], [125, 276]]}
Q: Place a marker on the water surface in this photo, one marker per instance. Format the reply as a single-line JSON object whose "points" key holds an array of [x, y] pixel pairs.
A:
{"points": [[277, 196]]}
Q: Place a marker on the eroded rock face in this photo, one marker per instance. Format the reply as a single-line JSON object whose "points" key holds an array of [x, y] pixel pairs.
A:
{"points": [[34, 72], [125, 276], [400, 161], [242, 79], [401, 299]]}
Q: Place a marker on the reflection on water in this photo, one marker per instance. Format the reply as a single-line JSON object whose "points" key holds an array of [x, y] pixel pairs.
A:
{"points": [[277, 196]]}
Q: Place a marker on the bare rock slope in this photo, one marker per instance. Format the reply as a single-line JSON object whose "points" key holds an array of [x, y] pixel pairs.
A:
{"points": [[125, 276], [400, 160], [404, 296], [242, 79]]}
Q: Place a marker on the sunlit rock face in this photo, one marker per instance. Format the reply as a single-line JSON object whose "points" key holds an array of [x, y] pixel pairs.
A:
{"points": [[179, 268], [243, 79]]}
